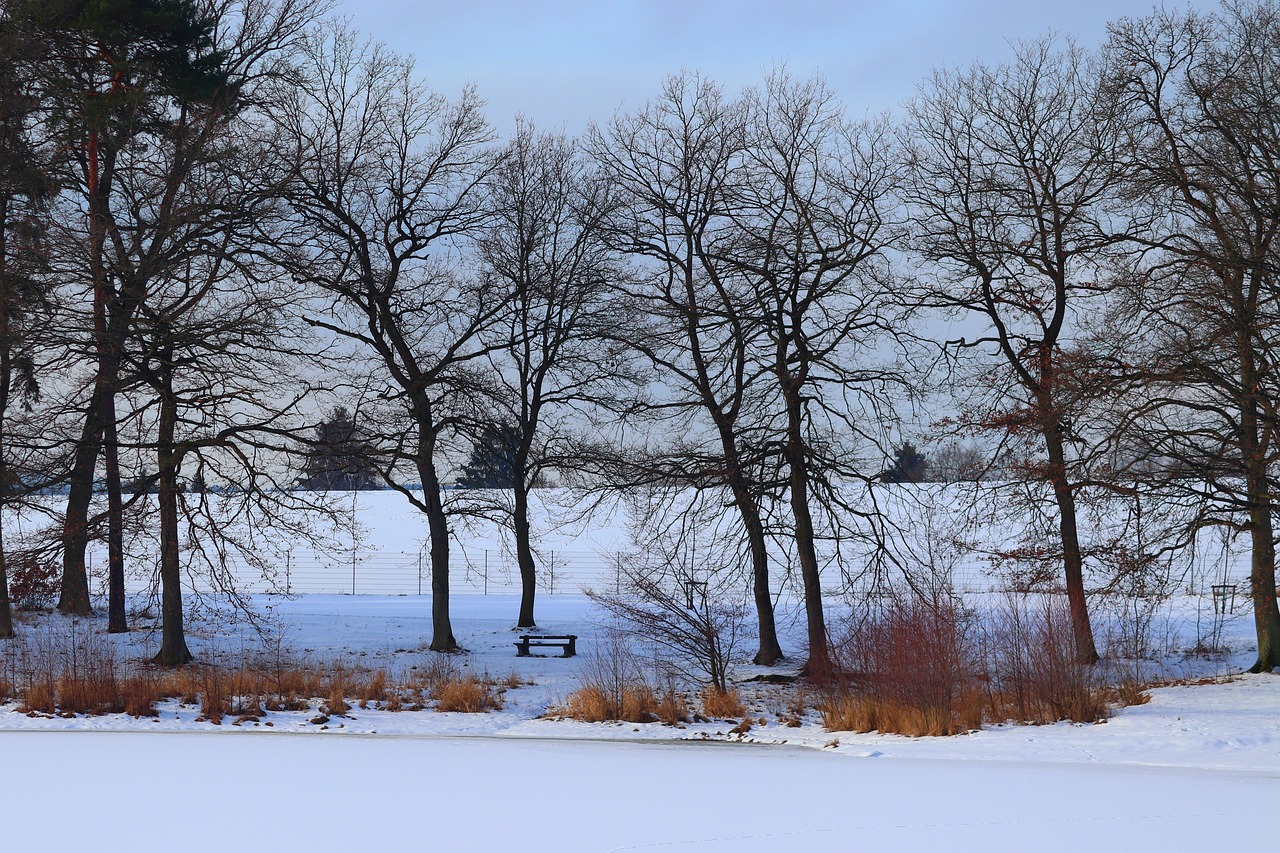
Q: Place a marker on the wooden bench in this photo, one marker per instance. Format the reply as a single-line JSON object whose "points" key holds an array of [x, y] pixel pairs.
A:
{"points": [[568, 642]]}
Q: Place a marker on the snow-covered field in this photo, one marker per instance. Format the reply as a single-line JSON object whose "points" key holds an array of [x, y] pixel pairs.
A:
{"points": [[1187, 771]]}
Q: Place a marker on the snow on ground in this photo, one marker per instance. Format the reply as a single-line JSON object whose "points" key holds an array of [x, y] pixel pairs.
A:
{"points": [[1183, 772], [186, 792]]}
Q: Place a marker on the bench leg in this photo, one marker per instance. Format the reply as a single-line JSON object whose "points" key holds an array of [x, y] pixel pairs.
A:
{"points": [[570, 648], [522, 650]]}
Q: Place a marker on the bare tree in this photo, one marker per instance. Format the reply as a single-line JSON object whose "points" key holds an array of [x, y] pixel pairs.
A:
{"points": [[200, 323], [552, 367], [385, 183], [813, 212], [672, 166], [1012, 170], [1197, 93]]}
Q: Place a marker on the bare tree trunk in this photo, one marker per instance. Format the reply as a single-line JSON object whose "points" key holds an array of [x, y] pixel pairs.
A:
{"points": [[1072, 561], [116, 621], [6, 382], [819, 666], [1262, 588], [524, 550], [442, 639], [769, 651], [6, 615], [173, 641], [1262, 569], [74, 595]]}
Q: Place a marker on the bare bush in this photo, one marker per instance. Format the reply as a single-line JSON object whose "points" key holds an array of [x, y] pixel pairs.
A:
{"points": [[909, 667], [692, 623], [1034, 669], [613, 684]]}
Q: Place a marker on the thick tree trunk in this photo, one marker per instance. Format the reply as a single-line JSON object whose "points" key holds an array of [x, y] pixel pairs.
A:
{"points": [[116, 620], [1072, 561], [524, 552], [1262, 575], [1262, 589], [819, 666], [173, 641], [73, 597], [6, 614], [769, 650], [442, 639]]}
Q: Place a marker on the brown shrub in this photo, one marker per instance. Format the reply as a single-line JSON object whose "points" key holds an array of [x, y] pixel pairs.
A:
{"points": [[1034, 673], [34, 580], [911, 667]]}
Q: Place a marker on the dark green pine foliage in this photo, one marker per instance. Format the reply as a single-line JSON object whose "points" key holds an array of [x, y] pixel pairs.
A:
{"points": [[340, 457], [493, 458], [909, 466]]}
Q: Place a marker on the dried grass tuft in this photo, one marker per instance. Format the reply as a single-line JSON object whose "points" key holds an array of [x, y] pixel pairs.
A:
{"points": [[722, 704], [468, 694]]}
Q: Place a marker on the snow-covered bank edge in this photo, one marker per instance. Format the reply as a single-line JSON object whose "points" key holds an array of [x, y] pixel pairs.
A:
{"points": [[1232, 725]]}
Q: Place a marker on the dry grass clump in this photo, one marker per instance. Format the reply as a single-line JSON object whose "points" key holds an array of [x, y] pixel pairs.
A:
{"points": [[468, 694], [868, 713], [720, 704], [613, 686], [40, 698], [372, 687], [633, 703], [214, 702], [139, 695], [672, 708]]}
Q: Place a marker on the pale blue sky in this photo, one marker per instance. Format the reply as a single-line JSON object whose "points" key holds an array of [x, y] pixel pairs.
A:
{"points": [[564, 62]]}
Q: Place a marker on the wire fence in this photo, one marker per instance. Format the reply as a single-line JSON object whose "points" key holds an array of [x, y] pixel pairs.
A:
{"points": [[495, 571]]}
